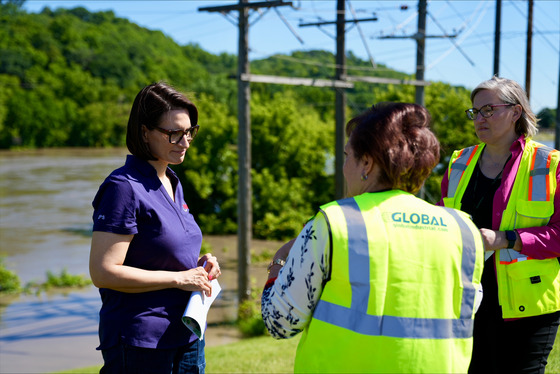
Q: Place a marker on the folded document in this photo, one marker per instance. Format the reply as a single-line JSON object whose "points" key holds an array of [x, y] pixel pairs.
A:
{"points": [[196, 311]]}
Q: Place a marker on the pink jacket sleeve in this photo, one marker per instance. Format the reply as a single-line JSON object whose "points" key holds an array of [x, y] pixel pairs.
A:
{"points": [[444, 185]]}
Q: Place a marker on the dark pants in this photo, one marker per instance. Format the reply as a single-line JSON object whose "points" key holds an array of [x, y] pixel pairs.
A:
{"points": [[126, 359], [517, 346]]}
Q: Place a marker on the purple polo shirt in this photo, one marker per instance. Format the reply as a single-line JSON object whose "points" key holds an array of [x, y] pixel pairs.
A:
{"points": [[132, 200]]}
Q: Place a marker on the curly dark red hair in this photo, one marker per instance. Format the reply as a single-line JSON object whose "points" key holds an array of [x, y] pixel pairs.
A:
{"points": [[398, 137]]}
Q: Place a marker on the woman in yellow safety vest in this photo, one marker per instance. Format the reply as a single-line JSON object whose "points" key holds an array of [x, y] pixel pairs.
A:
{"points": [[508, 184], [381, 281]]}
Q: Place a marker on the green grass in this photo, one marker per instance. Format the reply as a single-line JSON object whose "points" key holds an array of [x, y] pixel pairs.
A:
{"points": [[267, 355], [553, 366], [545, 135], [88, 370], [256, 355]]}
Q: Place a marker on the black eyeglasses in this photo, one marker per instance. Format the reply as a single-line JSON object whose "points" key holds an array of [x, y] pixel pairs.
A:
{"points": [[175, 136], [486, 111]]}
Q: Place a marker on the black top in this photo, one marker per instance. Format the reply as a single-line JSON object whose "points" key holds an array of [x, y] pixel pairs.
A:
{"points": [[479, 196], [478, 201]]}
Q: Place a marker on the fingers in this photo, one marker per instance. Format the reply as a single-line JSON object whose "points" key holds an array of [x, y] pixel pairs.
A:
{"points": [[211, 265], [214, 273], [203, 282], [195, 279], [200, 280]]}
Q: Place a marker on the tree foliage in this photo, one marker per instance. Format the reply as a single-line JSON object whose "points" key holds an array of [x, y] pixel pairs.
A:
{"points": [[547, 118], [69, 76]]}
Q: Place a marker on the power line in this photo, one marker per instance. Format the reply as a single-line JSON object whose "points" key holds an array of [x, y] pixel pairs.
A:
{"points": [[361, 34]]}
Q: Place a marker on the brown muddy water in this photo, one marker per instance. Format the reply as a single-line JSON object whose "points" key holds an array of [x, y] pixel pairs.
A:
{"points": [[45, 225]]}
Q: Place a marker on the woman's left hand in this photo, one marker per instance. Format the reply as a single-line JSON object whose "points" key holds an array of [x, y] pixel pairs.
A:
{"points": [[211, 265], [494, 240]]}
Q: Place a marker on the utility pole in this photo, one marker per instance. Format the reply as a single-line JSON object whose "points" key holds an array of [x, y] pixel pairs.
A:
{"points": [[340, 92], [421, 46], [497, 33], [340, 84], [420, 38], [529, 49], [244, 193], [340, 101], [557, 138]]}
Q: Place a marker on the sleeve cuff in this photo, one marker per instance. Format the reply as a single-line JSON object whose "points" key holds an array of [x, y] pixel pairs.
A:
{"points": [[269, 283]]}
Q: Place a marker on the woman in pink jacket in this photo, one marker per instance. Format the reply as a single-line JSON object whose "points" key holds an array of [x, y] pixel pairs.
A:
{"points": [[508, 184]]}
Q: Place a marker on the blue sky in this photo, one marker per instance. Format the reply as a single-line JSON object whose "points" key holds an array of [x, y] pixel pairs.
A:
{"points": [[465, 60]]}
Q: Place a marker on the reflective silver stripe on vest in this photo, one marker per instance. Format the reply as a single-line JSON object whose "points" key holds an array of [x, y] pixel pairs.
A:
{"points": [[457, 170], [358, 253], [468, 263], [396, 327], [538, 174], [356, 318]]}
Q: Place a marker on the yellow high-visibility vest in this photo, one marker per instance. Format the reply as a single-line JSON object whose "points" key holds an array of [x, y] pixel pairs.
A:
{"points": [[526, 286], [401, 293]]}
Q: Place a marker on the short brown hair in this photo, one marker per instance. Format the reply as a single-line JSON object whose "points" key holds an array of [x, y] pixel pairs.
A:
{"points": [[151, 103], [397, 136]]}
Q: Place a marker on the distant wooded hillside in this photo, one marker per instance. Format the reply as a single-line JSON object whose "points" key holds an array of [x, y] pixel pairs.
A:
{"points": [[69, 77]]}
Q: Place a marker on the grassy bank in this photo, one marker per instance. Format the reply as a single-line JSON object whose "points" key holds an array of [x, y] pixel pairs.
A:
{"points": [[545, 135], [255, 355], [267, 355]]}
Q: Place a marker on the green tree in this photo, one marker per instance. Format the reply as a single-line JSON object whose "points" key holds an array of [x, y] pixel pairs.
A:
{"points": [[289, 152], [209, 172], [547, 118], [69, 76], [68, 63]]}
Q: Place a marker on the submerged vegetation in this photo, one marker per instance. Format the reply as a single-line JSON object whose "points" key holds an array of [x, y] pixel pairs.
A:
{"points": [[10, 283]]}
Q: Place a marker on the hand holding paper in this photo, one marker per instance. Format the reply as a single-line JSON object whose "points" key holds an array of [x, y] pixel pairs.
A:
{"points": [[196, 312]]}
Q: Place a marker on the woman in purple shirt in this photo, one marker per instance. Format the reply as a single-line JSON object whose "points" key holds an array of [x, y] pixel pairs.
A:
{"points": [[146, 245]]}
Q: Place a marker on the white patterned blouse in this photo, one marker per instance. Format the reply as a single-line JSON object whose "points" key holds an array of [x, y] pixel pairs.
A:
{"points": [[288, 304]]}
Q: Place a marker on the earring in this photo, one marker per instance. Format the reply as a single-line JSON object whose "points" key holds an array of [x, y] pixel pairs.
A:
{"points": [[364, 177]]}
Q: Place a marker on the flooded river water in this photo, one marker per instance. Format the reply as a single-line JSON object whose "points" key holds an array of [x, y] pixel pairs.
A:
{"points": [[45, 225], [45, 203]]}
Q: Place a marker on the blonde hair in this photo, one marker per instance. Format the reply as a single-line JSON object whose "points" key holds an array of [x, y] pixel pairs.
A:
{"points": [[510, 92]]}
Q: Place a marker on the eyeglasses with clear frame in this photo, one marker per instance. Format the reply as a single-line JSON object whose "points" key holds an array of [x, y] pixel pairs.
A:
{"points": [[486, 111], [175, 136]]}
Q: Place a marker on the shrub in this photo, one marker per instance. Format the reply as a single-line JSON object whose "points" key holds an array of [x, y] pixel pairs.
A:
{"points": [[9, 281], [249, 319], [65, 280], [205, 248]]}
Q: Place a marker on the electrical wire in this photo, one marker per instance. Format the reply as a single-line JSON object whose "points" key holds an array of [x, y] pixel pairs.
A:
{"points": [[361, 34]]}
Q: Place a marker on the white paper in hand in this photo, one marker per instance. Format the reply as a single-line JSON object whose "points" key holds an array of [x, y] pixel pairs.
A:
{"points": [[196, 311]]}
